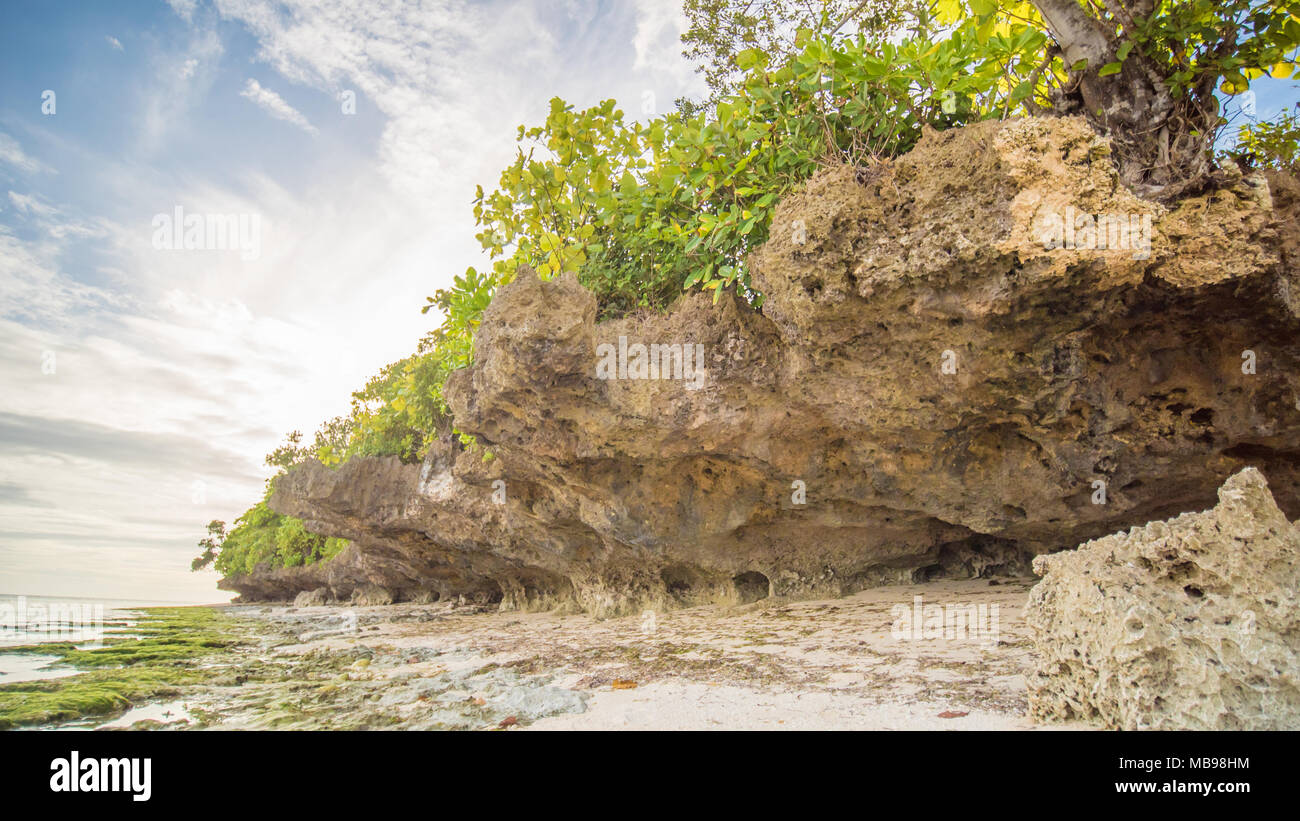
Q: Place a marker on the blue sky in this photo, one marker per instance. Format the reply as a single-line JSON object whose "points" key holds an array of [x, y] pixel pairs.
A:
{"points": [[142, 386]]}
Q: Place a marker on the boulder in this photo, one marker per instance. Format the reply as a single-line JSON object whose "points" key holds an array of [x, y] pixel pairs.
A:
{"points": [[371, 595], [1188, 624]]}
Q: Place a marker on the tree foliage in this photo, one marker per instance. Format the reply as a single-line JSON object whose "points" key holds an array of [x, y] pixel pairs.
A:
{"points": [[641, 210], [719, 30], [262, 537], [1271, 144], [210, 544]]}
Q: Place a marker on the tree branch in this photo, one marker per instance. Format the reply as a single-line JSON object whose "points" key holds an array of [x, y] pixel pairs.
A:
{"points": [[1080, 36]]}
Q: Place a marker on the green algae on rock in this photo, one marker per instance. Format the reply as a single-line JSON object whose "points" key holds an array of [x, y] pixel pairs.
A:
{"points": [[162, 660]]}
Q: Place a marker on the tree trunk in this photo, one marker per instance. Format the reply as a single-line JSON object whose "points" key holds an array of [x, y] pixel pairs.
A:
{"points": [[1158, 154]]}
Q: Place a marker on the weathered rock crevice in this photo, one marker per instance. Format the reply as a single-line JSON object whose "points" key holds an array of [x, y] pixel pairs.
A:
{"points": [[928, 392]]}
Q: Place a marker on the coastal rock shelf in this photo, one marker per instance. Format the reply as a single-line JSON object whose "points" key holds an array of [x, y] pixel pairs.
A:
{"points": [[949, 375]]}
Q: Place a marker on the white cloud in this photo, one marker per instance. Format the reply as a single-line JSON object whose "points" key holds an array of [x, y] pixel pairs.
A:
{"points": [[184, 8], [31, 288], [434, 71], [29, 204], [181, 80], [52, 221], [659, 27], [11, 153], [114, 42], [274, 104]]}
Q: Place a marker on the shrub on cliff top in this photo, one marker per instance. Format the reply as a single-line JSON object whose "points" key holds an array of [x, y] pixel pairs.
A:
{"points": [[262, 537], [640, 210]]}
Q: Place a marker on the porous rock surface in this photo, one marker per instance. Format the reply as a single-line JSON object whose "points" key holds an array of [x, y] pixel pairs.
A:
{"points": [[945, 390], [312, 598], [1193, 623]]}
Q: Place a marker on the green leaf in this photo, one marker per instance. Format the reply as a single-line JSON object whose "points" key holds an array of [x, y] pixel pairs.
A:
{"points": [[749, 58]]}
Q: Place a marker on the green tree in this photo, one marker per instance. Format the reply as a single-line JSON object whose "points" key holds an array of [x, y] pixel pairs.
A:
{"points": [[1271, 144], [211, 545], [1145, 72], [640, 210], [719, 30]]}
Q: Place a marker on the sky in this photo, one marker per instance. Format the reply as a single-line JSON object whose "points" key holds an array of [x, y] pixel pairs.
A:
{"points": [[141, 385], [143, 381]]}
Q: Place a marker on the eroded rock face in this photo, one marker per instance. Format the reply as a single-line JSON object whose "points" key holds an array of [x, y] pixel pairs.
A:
{"points": [[312, 598], [1193, 623], [928, 390], [371, 595]]}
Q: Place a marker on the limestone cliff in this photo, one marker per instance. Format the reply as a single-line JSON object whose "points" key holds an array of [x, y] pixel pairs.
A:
{"points": [[948, 377]]}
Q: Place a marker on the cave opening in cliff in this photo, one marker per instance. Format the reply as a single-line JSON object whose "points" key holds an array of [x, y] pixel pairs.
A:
{"points": [[488, 592], [751, 586], [977, 557], [684, 583]]}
